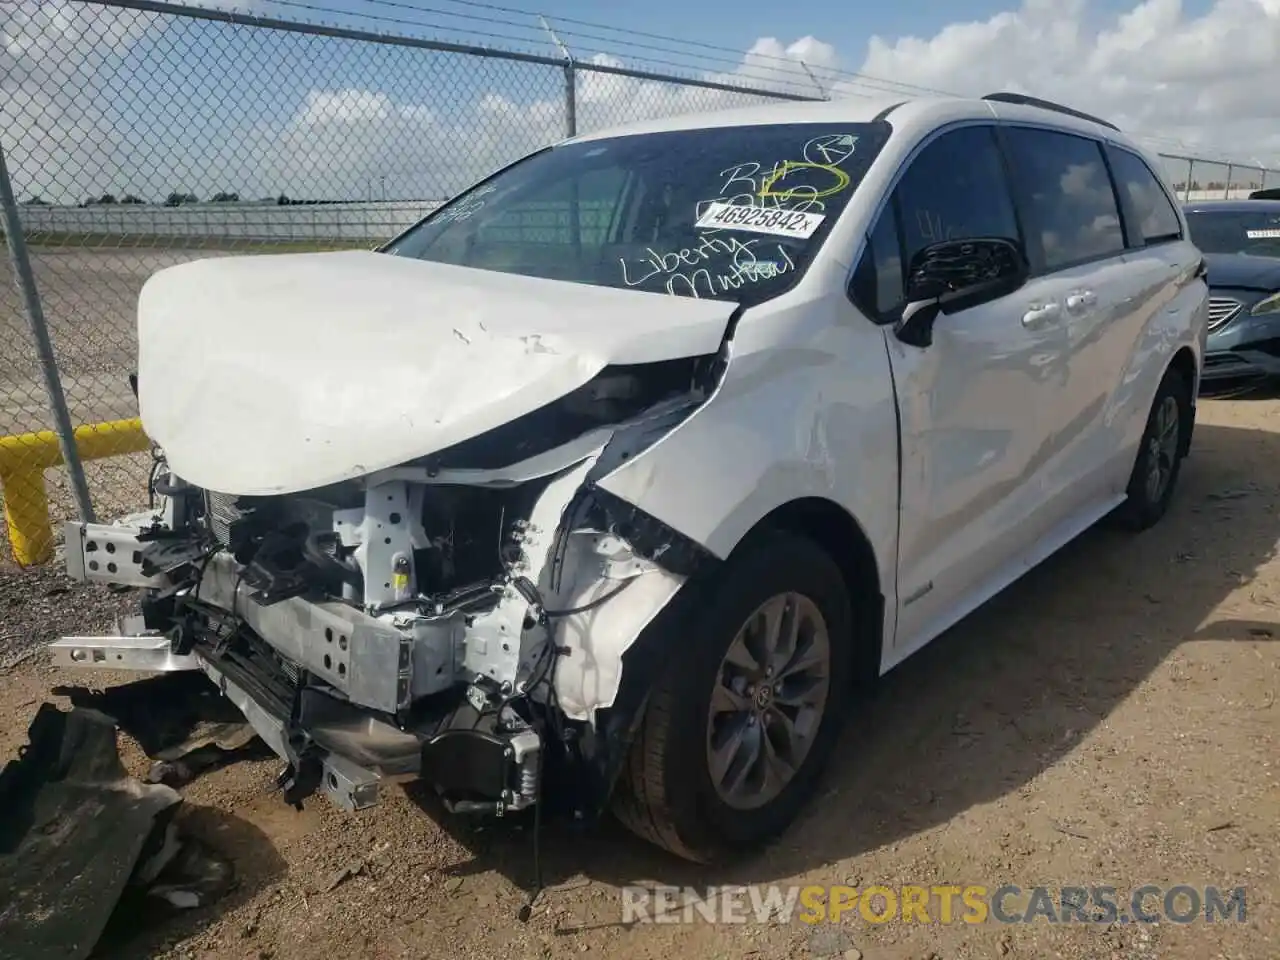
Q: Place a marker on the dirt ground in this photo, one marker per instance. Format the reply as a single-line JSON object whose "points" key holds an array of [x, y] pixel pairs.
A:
{"points": [[1111, 719]]}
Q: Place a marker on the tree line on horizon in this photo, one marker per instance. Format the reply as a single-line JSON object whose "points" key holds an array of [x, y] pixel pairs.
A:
{"points": [[180, 198], [1216, 185]]}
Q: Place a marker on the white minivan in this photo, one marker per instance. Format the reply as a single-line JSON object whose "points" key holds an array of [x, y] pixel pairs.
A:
{"points": [[612, 482]]}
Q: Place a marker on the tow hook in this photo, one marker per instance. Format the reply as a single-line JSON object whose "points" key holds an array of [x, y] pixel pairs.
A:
{"points": [[304, 772], [301, 781]]}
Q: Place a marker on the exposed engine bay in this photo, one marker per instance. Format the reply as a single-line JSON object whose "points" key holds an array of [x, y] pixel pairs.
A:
{"points": [[459, 619]]}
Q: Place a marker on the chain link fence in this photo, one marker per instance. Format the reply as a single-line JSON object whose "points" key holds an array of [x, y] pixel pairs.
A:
{"points": [[140, 134]]}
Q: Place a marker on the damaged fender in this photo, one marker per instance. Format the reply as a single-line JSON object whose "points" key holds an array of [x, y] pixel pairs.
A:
{"points": [[779, 427], [600, 568], [619, 594]]}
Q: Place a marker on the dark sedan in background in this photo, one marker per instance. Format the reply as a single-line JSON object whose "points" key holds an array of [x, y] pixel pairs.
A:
{"points": [[1240, 240]]}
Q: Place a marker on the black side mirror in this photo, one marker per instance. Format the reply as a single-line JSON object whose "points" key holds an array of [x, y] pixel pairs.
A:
{"points": [[954, 275]]}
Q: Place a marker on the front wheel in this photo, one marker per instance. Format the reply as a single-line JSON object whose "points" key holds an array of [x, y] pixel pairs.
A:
{"points": [[1160, 454], [741, 722]]}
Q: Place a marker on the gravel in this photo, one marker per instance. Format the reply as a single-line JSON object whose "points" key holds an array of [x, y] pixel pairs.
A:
{"points": [[1072, 732], [40, 604]]}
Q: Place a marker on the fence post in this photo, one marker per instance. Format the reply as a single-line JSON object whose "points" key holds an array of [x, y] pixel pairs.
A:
{"points": [[570, 80], [25, 280], [1226, 191], [570, 100], [1191, 166]]}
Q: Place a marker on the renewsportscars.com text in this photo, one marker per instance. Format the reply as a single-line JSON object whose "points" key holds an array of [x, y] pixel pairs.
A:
{"points": [[935, 903]]}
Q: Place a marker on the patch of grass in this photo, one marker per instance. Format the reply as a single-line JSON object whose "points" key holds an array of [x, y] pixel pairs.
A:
{"points": [[117, 241]]}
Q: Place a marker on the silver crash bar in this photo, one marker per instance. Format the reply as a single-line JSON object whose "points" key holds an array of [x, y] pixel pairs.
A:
{"points": [[370, 662], [151, 653], [112, 554], [350, 786]]}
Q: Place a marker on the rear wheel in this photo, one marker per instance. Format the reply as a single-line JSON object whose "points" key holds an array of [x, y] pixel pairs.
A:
{"points": [[740, 724], [1160, 454]]}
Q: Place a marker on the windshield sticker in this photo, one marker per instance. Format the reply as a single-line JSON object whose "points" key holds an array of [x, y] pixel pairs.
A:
{"points": [[780, 223], [751, 200], [1262, 234]]}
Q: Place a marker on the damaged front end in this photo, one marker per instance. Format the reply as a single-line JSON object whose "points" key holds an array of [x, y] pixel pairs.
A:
{"points": [[460, 619]]}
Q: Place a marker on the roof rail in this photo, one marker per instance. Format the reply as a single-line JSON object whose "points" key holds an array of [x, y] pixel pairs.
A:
{"points": [[1026, 101], [884, 114]]}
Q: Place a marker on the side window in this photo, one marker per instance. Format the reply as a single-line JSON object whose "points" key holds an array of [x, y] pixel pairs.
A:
{"points": [[1070, 205], [878, 281], [956, 189], [1156, 218]]}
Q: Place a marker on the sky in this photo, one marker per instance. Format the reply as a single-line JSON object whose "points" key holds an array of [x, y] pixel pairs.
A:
{"points": [[97, 99]]}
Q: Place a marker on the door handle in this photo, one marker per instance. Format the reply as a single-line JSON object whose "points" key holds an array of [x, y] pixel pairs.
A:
{"points": [[1041, 315], [1081, 300]]}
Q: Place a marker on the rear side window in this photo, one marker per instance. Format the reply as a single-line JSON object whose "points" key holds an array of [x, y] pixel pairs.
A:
{"points": [[1071, 211], [956, 189], [1155, 219]]}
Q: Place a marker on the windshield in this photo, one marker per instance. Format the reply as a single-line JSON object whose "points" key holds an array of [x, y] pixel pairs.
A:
{"points": [[733, 213], [1255, 232]]}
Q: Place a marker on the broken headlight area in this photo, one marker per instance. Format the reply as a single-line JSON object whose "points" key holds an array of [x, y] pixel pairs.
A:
{"points": [[458, 619]]}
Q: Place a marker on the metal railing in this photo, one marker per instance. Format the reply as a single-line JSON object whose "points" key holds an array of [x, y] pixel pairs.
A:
{"points": [[141, 134]]}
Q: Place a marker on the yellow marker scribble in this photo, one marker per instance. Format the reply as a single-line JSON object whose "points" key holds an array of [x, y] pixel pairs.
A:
{"points": [[790, 166]]}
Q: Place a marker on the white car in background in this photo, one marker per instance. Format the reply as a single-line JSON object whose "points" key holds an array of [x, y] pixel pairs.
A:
{"points": [[615, 480]]}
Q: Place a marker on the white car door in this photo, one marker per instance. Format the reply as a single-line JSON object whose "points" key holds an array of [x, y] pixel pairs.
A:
{"points": [[1076, 245], [973, 404]]}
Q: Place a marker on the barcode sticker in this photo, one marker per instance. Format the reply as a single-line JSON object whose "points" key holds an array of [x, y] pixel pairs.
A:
{"points": [[781, 223]]}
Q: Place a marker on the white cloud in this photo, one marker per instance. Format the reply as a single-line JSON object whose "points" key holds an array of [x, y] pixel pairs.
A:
{"points": [[345, 106], [1181, 82], [347, 139], [356, 144], [56, 57], [1205, 80], [1154, 70], [50, 129]]}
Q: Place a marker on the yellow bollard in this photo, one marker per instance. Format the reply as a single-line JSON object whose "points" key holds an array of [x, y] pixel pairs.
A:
{"points": [[26, 514], [23, 459]]}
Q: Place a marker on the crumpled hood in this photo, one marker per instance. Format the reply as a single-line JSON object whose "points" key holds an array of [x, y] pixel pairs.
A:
{"points": [[1243, 271], [279, 373]]}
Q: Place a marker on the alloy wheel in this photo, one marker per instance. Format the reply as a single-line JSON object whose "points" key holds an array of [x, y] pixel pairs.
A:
{"points": [[769, 698], [1162, 448]]}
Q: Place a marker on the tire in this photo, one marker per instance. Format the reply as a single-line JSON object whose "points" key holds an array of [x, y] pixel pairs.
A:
{"points": [[1147, 501], [666, 793]]}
